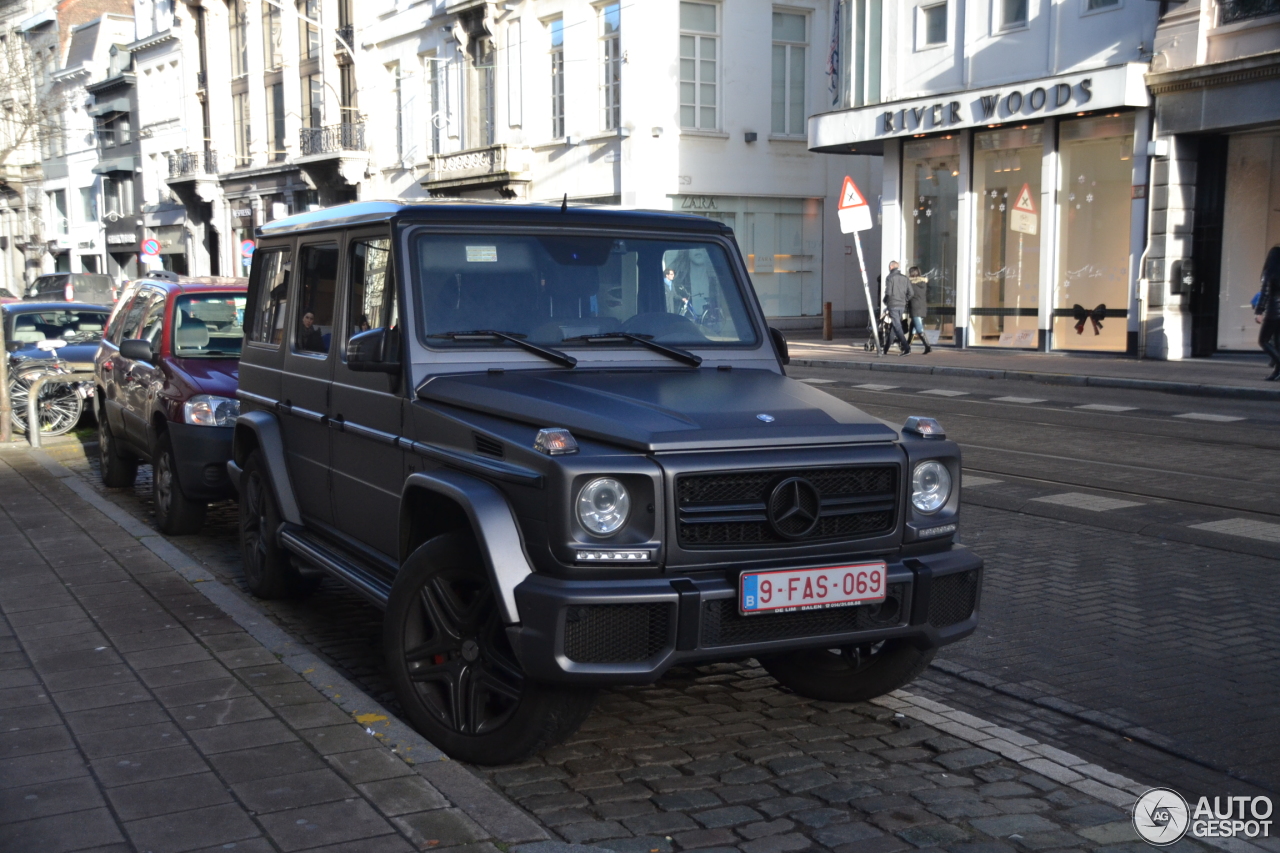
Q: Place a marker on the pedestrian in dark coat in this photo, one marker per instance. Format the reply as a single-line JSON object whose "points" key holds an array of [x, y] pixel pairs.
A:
{"points": [[897, 298], [919, 306], [1267, 312]]}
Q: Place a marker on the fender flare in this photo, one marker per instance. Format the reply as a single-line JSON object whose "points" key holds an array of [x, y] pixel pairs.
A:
{"points": [[266, 431], [495, 526]]}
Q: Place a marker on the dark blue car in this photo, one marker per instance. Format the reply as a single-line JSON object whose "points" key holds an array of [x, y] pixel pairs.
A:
{"points": [[51, 337]]}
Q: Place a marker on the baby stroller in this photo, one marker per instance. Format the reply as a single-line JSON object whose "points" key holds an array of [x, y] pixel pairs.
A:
{"points": [[884, 331]]}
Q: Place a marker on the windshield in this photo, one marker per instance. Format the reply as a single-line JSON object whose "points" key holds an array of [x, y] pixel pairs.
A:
{"points": [[561, 290], [208, 324], [74, 327]]}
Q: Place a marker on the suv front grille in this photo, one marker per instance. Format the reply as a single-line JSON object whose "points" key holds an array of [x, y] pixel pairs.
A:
{"points": [[616, 633], [732, 509], [723, 625]]}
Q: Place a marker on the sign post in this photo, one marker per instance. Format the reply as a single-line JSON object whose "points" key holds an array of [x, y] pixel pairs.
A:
{"points": [[1023, 219], [855, 216]]}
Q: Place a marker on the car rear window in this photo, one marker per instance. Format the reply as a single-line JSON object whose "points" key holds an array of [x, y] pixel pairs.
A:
{"points": [[209, 325], [74, 327]]}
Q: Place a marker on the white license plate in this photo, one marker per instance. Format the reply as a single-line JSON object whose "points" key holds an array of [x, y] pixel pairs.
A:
{"points": [[812, 589]]}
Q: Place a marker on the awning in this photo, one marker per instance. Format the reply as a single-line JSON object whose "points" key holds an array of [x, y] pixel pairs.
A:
{"points": [[120, 164], [116, 105]]}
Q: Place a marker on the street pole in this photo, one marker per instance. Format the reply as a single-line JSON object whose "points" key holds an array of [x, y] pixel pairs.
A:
{"points": [[866, 291]]}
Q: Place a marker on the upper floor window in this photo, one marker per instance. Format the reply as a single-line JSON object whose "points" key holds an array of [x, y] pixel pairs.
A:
{"points": [[699, 56], [113, 129], [1013, 14], [556, 28], [238, 22], [1107, 4], [789, 51], [240, 127], [272, 36], [309, 29], [275, 122], [312, 101], [611, 55], [117, 195], [58, 211], [933, 24]]}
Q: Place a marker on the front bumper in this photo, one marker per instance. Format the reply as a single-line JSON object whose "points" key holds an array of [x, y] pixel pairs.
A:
{"points": [[201, 454], [632, 631]]}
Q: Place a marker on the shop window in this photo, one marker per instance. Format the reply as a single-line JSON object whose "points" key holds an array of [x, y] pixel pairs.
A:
{"points": [[930, 207], [933, 25], [1095, 209], [789, 50], [699, 56], [1007, 215], [271, 267]]}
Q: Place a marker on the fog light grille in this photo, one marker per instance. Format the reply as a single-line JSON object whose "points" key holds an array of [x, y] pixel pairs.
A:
{"points": [[616, 633], [952, 598]]}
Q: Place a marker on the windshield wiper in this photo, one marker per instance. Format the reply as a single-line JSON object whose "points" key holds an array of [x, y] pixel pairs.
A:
{"points": [[514, 337], [644, 340]]}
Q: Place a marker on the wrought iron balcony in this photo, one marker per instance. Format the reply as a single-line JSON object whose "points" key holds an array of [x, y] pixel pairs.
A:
{"points": [[183, 164], [1230, 11], [333, 139], [500, 166]]}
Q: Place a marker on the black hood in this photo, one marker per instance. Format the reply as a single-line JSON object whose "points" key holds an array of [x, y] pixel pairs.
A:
{"points": [[664, 410]]}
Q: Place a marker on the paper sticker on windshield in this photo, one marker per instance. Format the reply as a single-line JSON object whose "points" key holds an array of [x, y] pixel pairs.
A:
{"points": [[482, 254]]}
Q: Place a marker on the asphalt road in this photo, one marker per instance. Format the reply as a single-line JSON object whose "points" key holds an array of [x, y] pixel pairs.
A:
{"points": [[1113, 626]]}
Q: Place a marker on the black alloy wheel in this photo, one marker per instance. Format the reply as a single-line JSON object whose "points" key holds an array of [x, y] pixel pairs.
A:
{"points": [[849, 673], [455, 672], [118, 470], [176, 514], [268, 571]]}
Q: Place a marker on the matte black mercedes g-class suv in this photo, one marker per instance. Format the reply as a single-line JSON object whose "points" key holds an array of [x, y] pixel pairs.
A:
{"points": [[559, 447]]}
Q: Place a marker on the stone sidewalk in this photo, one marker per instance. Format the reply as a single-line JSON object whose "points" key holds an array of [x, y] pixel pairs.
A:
{"points": [[135, 714], [1238, 376]]}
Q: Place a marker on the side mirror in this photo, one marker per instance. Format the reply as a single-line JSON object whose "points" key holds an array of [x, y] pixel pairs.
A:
{"points": [[780, 344], [136, 349], [374, 351]]}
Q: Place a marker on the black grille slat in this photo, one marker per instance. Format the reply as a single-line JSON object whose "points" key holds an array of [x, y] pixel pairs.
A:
{"points": [[952, 598], [728, 509], [488, 446], [616, 633], [723, 625]]}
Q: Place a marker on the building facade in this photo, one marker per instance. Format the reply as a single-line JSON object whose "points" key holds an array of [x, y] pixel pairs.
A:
{"points": [[1014, 142], [1215, 208]]}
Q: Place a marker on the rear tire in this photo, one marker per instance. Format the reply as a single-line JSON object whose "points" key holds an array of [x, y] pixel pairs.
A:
{"points": [[118, 470], [453, 668], [268, 571], [176, 514], [851, 673]]}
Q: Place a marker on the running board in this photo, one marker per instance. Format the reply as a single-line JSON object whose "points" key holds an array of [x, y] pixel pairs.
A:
{"points": [[362, 580]]}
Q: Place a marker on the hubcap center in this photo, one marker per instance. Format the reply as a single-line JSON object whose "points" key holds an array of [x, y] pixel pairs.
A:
{"points": [[470, 650]]}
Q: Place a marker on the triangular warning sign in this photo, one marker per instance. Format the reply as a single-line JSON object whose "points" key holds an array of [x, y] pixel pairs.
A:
{"points": [[1024, 200], [849, 195]]}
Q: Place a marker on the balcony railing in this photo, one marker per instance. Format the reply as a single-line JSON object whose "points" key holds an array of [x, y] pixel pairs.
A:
{"points": [[346, 33], [477, 162], [1230, 11], [332, 139], [187, 163]]}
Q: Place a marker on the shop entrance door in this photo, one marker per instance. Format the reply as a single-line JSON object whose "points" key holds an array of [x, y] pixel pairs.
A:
{"points": [[931, 203], [1206, 245], [1250, 227]]}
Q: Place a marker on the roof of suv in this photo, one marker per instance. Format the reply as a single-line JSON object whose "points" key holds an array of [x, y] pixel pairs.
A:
{"points": [[489, 213]]}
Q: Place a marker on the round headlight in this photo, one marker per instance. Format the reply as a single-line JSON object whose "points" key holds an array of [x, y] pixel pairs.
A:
{"points": [[930, 486], [603, 506]]}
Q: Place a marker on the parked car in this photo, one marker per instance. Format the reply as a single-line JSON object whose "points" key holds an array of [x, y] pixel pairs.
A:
{"points": [[506, 426], [73, 287], [165, 378], [51, 337]]}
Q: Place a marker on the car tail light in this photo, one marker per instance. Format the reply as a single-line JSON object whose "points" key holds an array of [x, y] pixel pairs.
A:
{"points": [[69, 292]]}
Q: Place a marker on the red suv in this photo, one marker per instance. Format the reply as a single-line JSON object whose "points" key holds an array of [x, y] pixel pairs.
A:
{"points": [[166, 376]]}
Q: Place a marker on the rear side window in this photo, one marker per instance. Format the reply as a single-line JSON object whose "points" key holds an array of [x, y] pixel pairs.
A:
{"points": [[314, 321], [271, 266]]}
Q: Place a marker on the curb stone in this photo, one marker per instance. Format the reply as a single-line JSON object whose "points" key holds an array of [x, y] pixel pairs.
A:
{"points": [[492, 810], [1235, 392]]}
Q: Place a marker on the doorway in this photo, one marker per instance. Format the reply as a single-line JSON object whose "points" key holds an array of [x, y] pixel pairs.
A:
{"points": [[1206, 244]]}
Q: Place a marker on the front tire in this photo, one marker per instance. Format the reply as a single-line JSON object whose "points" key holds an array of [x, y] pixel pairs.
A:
{"points": [[851, 673], [268, 571], [118, 470], [176, 514], [453, 668]]}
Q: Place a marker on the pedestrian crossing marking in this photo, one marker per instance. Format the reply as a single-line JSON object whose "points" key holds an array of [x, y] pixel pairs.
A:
{"points": [[817, 381], [1024, 400], [1093, 503], [876, 387], [944, 392], [1204, 416], [1103, 407], [974, 482], [1247, 528]]}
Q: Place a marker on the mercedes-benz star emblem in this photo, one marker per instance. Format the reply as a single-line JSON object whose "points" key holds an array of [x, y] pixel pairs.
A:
{"points": [[766, 418], [794, 508]]}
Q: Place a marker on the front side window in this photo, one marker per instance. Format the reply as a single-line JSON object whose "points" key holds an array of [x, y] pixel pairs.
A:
{"points": [[153, 322], [557, 78], [611, 55], [318, 267], [789, 50], [373, 290], [934, 24], [271, 266], [208, 325], [238, 23], [562, 290], [699, 56]]}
